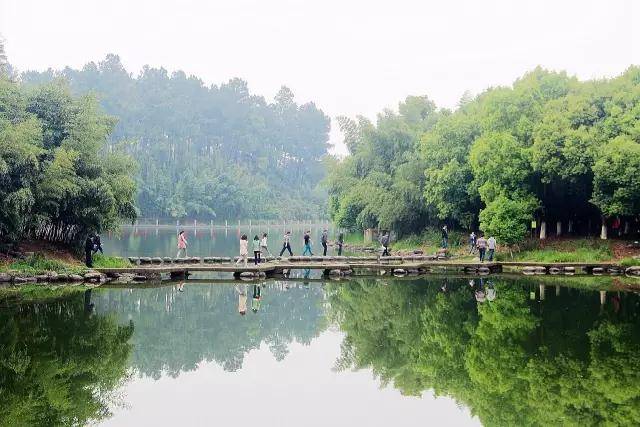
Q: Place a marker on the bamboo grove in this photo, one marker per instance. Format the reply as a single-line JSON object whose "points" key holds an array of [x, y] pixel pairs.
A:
{"points": [[550, 148], [57, 182]]}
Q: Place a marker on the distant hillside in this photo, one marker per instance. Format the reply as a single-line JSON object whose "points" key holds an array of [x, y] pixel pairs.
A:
{"points": [[209, 151]]}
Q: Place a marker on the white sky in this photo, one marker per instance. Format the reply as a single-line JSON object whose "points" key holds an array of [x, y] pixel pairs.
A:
{"points": [[350, 57]]}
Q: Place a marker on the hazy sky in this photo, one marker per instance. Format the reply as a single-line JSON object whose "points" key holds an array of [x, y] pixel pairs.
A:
{"points": [[350, 57]]}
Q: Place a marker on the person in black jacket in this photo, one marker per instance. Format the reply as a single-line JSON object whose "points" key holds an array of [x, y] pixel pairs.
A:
{"points": [[323, 240], [97, 244], [88, 251]]}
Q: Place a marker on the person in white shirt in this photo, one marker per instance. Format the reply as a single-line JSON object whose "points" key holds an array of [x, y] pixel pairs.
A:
{"points": [[491, 245], [263, 245], [244, 250], [286, 243]]}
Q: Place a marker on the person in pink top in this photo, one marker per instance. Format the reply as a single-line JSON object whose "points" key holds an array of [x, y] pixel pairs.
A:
{"points": [[182, 245]]}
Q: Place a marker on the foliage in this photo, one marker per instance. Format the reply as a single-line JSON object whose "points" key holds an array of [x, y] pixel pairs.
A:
{"points": [[105, 261], [548, 147], [38, 264], [506, 219], [59, 365], [56, 181], [629, 262], [209, 151], [617, 177], [381, 183]]}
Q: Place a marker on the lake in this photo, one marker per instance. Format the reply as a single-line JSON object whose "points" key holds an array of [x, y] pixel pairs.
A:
{"points": [[208, 241], [435, 350]]}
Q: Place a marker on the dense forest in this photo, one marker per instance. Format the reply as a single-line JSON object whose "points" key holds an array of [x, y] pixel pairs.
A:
{"points": [[57, 180], [208, 151], [549, 148], [561, 359]]}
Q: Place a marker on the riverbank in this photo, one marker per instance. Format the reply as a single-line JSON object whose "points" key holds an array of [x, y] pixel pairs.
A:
{"points": [[38, 262], [551, 250]]}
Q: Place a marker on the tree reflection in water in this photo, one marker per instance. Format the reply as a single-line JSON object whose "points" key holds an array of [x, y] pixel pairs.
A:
{"points": [[514, 352], [561, 358], [177, 330], [59, 363]]}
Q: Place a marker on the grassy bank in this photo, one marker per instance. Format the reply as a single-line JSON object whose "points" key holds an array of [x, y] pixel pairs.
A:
{"points": [[104, 261], [534, 250], [40, 263], [563, 250]]}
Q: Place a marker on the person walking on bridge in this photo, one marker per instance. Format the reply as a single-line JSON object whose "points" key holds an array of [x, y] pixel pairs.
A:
{"points": [[263, 245], [244, 250], [323, 240], [256, 250], [182, 245], [340, 243], [472, 243], [481, 243], [307, 243], [491, 245], [286, 243]]}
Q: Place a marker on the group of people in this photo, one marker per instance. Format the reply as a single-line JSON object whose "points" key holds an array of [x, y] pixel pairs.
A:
{"points": [[486, 247], [260, 246], [91, 245]]}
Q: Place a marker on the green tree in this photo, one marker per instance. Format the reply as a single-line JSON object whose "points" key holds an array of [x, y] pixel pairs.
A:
{"points": [[58, 181], [617, 177]]}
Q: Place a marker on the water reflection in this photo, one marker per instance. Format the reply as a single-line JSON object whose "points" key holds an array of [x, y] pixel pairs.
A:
{"points": [[60, 364], [514, 352], [150, 241], [177, 330], [558, 358]]}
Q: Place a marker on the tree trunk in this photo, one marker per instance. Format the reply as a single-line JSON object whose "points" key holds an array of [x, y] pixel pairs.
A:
{"points": [[603, 229], [570, 227], [543, 230], [626, 227], [558, 228]]}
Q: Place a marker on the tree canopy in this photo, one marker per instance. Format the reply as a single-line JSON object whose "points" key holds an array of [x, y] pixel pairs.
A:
{"points": [[548, 147], [206, 151], [58, 181]]}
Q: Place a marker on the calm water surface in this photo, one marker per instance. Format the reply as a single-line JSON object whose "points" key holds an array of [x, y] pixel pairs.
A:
{"points": [[162, 241], [392, 352]]}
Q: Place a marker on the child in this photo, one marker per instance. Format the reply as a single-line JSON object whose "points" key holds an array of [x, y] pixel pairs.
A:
{"points": [[256, 250], [244, 250], [340, 243]]}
